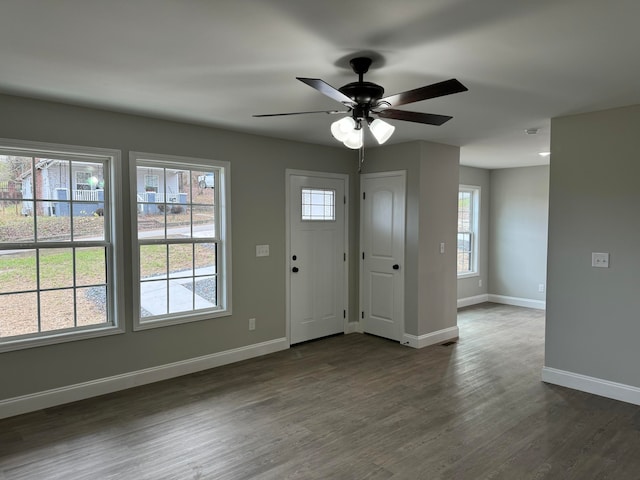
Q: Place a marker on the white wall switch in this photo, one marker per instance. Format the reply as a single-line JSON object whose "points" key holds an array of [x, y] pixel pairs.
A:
{"points": [[442, 247], [252, 324], [262, 250], [600, 260], [479, 282], [541, 287]]}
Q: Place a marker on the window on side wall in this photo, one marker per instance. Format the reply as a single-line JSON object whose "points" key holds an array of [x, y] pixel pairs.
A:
{"points": [[182, 257], [57, 243], [468, 218]]}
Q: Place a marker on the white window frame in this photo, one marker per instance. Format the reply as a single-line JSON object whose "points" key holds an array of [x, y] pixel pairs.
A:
{"points": [[113, 242], [475, 230], [222, 217]]}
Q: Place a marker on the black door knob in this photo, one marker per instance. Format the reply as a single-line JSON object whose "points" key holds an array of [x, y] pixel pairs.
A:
{"points": [[396, 267], [295, 269]]}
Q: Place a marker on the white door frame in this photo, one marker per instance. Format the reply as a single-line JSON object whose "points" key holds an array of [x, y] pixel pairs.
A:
{"points": [[287, 264], [403, 174]]}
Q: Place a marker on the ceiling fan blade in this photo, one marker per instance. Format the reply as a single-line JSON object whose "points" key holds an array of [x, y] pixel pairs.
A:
{"points": [[330, 112], [326, 89], [417, 117], [423, 93]]}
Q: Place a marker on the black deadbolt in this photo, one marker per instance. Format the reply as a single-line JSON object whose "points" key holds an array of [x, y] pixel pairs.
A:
{"points": [[295, 269], [396, 267], [295, 257]]}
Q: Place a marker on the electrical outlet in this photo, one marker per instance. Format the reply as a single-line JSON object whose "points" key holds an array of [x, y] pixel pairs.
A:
{"points": [[600, 260], [541, 288], [252, 324], [479, 282]]}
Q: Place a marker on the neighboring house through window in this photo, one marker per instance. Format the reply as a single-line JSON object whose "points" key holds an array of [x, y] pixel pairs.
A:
{"points": [[182, 253], [57, 255], [468, 217]]}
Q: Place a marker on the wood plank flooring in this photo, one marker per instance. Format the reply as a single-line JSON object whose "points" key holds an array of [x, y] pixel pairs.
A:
{"points": [[346, 407]]}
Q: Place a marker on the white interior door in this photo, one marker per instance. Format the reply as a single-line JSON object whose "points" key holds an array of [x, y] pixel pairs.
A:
{"points": [[382, 216], [317, 256]]}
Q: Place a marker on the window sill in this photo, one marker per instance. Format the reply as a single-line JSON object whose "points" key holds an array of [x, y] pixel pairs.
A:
{"points": [[468, 275], [55, 338], [173, 320]]}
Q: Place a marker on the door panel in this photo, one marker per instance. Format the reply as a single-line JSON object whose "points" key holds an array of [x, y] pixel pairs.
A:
{"points": [[317, 229], [382, 215]]}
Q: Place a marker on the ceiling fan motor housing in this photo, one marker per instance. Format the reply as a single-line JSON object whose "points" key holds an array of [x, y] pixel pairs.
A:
{"points": [[363, 92]]}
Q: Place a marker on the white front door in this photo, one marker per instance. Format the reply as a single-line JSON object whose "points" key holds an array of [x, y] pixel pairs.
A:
{"points": [[317, 255], [382, 227]]}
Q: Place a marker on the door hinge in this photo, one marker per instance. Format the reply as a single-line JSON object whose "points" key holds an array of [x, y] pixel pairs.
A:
{"points": [[364, 195], [344, 257], [344, 199], [363, 255], [362, 315], [344, 314]]}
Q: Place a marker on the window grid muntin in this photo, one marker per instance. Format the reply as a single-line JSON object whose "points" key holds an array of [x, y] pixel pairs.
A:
{"points": [[178, 166], [466, 258], [38, 245], [167, 278], [35, 200], [324, 201]]}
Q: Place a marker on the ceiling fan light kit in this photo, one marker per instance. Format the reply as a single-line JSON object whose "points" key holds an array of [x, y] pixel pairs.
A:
{"points": [[365, 99], [340, 129], [354, 140], [381, 130]]}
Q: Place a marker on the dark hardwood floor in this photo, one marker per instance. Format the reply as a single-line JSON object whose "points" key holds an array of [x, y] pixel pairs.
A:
{"points": [[346, 407]]}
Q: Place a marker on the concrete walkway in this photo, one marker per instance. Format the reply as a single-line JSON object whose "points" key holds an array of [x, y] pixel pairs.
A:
{"points": [[153, 294]]}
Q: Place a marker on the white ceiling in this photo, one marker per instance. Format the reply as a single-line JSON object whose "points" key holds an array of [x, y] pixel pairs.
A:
{"points": [[218, 62]]}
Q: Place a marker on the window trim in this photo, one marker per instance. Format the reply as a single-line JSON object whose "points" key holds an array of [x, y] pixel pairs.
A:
{"points": [[115, 261], [476, 192], [223, 196]]}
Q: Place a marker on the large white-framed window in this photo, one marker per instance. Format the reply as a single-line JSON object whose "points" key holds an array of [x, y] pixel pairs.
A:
{"points": [[58, 259], [468, 225], [182, 239]]}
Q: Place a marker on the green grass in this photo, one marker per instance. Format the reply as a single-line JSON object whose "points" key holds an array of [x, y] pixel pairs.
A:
{"points": [[18, 271]]}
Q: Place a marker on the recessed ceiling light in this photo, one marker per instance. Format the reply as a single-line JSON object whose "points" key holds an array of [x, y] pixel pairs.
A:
{"points": [[544, 154]]}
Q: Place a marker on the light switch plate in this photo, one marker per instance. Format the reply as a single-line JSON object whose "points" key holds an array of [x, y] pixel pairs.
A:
{"points": [[262, 250], [600, 259]]}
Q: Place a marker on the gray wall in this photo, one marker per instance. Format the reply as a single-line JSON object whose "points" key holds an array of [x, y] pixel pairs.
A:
{"points": [[479, 177], [592, 313], [258, 217], [437, 277], [432, 186], [519, 206]]}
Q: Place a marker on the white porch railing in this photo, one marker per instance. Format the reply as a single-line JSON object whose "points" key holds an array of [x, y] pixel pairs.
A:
{"points": [[86, 195]]}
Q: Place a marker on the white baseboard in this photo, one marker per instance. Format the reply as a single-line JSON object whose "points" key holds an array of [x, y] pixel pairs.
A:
{"points": [[518, 302], [352, 327], [80, 391], [597, 386], [432, 338], [465, 302]]}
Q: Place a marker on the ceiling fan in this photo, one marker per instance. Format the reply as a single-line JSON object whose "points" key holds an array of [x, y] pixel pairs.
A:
{"points": [[364, 100]]}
